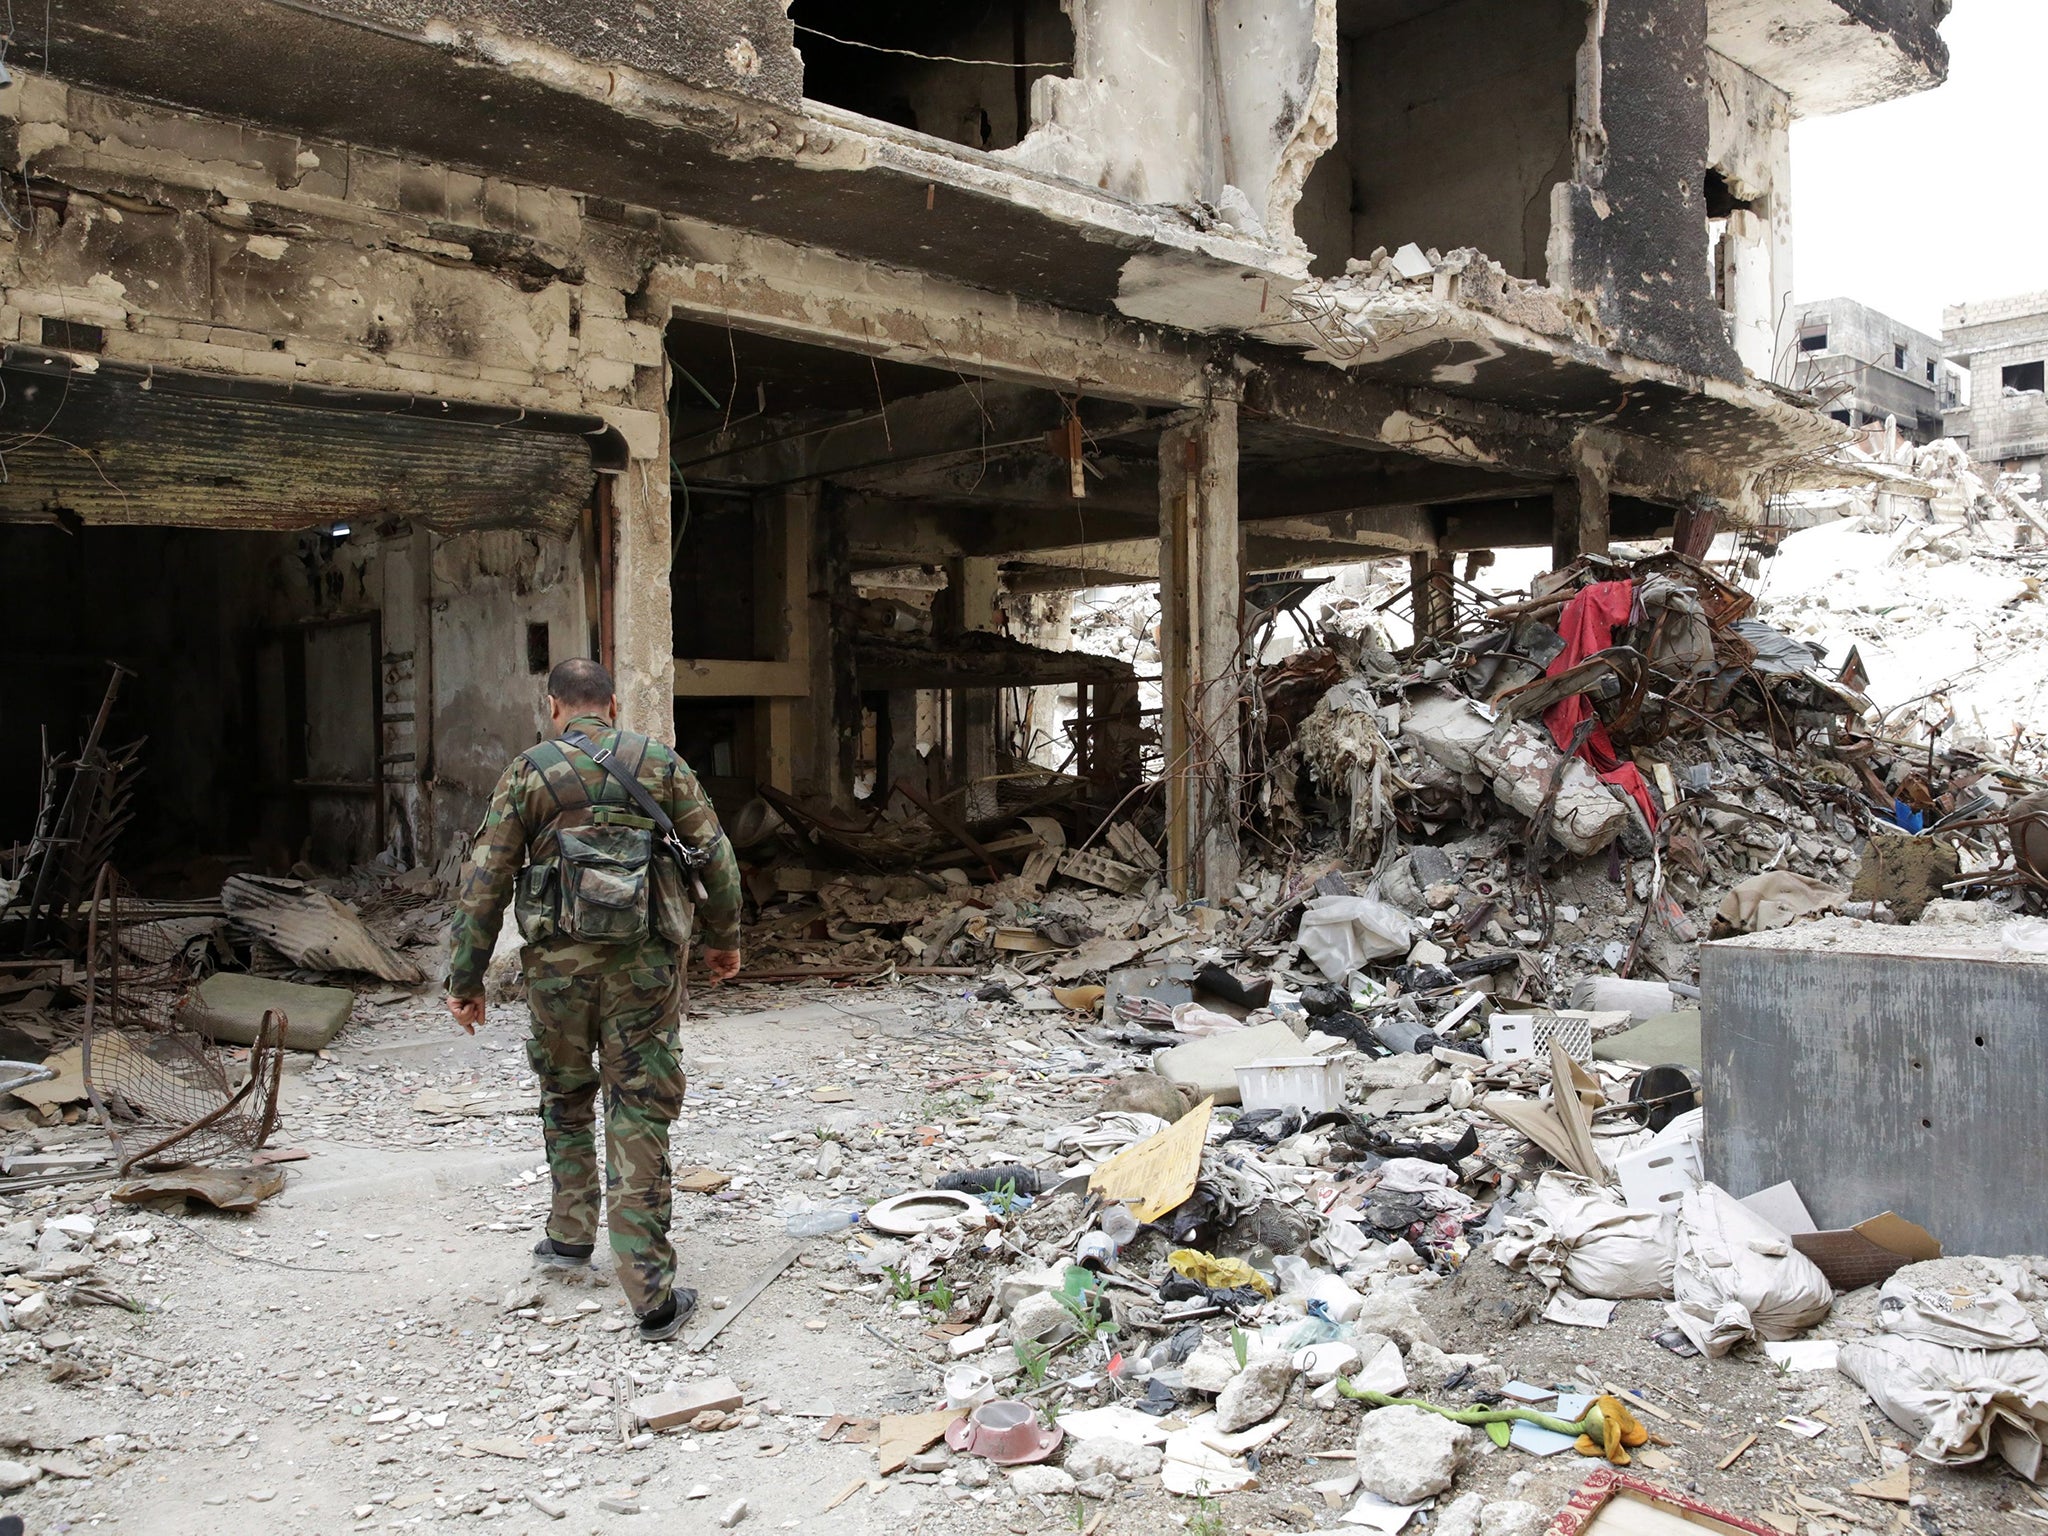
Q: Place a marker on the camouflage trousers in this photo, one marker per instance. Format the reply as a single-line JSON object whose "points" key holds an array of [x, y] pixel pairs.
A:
{"points": [[627, 1020]]}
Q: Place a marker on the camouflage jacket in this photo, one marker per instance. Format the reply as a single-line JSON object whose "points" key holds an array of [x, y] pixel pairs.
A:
{"points": [[521, 807]]}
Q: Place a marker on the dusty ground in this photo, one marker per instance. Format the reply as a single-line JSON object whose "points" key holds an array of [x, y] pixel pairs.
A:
{"points": [[343, 1360]]}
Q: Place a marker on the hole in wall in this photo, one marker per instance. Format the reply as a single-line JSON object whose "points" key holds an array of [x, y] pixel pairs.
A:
{"points": [[956, 71], [538, 658]]}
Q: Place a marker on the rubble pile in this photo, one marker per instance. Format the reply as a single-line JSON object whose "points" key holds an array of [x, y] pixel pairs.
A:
{"points": [[1931, 577], [1371, 1194]]}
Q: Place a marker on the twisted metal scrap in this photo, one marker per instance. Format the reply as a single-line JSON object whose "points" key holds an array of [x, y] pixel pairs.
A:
{"points": [[162, 1090]]}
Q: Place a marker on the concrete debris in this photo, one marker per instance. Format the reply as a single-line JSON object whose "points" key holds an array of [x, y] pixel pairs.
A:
{"points": [[1406, 1455], [1254, 1394]]}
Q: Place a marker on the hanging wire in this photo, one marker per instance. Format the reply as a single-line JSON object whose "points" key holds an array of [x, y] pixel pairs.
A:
{"points": [[936, 58]]}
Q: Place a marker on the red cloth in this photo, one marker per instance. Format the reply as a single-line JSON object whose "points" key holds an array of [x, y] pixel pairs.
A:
{"points": [[1588, 625]]}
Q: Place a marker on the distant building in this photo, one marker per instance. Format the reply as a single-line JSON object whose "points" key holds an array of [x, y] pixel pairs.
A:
{"points": [[1866, 366], [2003, 343]]}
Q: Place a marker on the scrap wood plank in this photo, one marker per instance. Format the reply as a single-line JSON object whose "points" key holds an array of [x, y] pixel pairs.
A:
{"points": [[1159, 1173], [746, 1298], [1636, 1399], [1735, 1455], [1896, 1486], [905, 1435], [1822, 1507], [844, 1494]]}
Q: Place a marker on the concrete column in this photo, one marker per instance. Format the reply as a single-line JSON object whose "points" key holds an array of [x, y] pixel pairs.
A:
{"points": [[784, 528], [968, 605], [900, 760], [643, 633], [1579, 506], [1201, 640], [825, 766]]}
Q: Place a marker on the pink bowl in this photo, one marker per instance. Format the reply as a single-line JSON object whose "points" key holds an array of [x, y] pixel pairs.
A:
{"points": [[1005, 1432]]}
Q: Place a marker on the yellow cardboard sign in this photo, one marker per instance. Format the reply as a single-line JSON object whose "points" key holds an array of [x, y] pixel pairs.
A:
{"points": [[1159, 1173]]}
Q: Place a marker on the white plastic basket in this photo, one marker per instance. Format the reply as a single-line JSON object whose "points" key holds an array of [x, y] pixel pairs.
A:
{"points": [[1312, 1084], [1527, 1036]]}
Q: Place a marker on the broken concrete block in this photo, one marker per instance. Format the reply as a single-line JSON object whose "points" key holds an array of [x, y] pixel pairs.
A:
{"points": [[1125, 1460], [1512, 1517], [1042, 1482], [1394, 1315], [1210, 1368], [1384, 1369], [1041, 1319], [15, 1476], [1024, 1283], [1448, 728], [681, 1405], [1520, 762], [1429, 1367], [1209, 1066], [1462, 1517], [1406, 1455], [1254, 1394], [230, 1006], [1326, 1362]]}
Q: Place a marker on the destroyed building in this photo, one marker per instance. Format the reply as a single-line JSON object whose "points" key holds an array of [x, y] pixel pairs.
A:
{"points": [[1866, 367], [364, 358], [1329, 1086], [2003, 345]]}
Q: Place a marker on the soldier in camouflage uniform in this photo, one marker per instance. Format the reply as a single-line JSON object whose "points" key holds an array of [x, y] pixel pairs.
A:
{"points": [[620, 1002]]}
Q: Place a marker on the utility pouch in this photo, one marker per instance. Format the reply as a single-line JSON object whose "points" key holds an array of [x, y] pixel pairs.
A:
{"points": [[534, 901], [605, 883], [674, 914]]}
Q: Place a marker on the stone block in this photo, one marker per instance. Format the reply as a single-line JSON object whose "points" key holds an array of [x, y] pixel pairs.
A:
{"points": [[681, 1404]]}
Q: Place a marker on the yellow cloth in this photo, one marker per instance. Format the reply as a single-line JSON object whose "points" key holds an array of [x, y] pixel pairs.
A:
{"points": [[1218, 1274]]}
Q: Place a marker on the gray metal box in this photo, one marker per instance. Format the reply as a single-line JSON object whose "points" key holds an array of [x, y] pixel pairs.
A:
{"points": [[1883, 1068]]}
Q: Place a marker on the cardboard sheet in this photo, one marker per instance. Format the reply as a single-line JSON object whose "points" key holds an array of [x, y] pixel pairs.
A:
{"points": [[1158, 1174]]}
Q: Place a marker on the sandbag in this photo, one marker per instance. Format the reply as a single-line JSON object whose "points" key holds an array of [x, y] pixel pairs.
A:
{"points": [[1960, 1402], [1737, 1277], [1580, 1236], [1915, 1304]]}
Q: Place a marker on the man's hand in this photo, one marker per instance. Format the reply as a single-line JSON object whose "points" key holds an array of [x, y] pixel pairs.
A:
{"points": [[467, 1012], [723, 964]]}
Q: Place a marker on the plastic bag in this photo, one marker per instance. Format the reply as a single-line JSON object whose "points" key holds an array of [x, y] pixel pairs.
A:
{"points": [[1737, 1277], [1342, 933], [1585, 1238]]}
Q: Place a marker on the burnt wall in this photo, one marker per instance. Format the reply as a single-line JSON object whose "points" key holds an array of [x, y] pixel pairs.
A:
{"points": [[1457, 124], [1913, 25], [742, 46], [1633, 241]]}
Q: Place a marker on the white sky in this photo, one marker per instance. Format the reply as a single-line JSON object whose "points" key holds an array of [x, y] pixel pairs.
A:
{"points": [[1939, 198]]}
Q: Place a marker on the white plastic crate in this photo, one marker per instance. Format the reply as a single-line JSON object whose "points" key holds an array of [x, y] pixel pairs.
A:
{"points": [[1312, 1084], [1527, 1036], [1659, 1174]]}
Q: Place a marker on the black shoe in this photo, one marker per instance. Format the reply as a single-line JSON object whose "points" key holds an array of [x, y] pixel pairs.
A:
{"points": [[549, 1254], [666, 1320]]}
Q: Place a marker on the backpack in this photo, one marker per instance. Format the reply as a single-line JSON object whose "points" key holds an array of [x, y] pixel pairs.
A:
{"points": [[598, 870]]}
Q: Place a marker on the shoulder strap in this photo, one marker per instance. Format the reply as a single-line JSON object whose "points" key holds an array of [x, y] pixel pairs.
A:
{"points": [[604, 759], [563, 783]]}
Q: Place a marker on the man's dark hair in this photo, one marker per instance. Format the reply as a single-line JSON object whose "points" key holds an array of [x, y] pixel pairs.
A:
{"points": [[580, 680]]}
